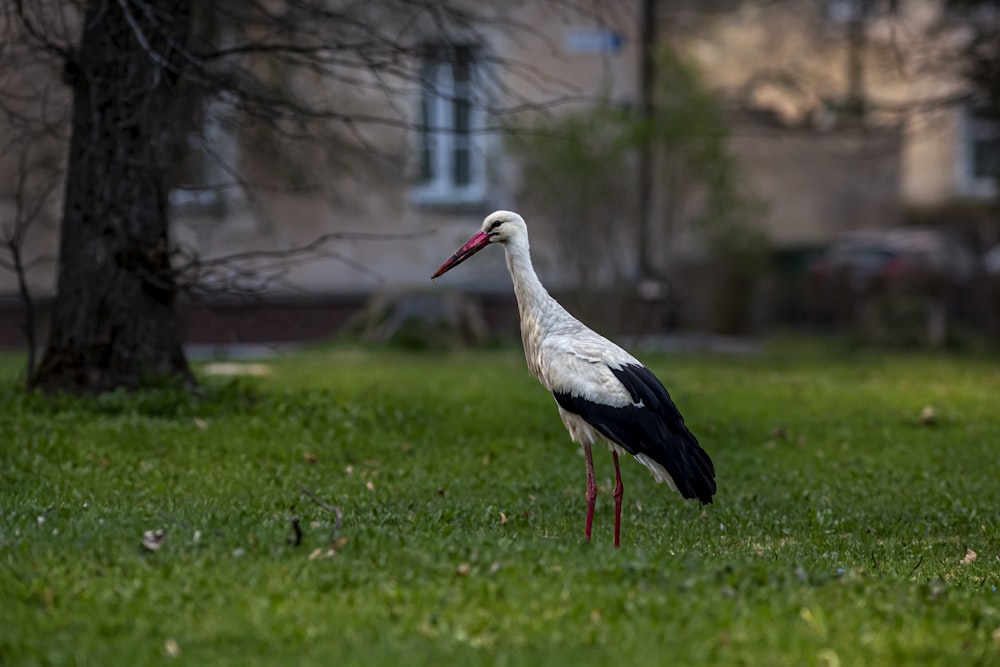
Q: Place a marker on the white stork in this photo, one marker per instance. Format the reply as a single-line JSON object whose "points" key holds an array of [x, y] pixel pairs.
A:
{"points": [[602, 391]]}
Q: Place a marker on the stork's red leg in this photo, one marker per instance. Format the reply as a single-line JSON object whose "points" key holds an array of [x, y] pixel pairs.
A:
{"points": [[617, 493], [591, 488]]}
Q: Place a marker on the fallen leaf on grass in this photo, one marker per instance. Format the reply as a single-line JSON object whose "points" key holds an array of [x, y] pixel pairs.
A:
{"points": [[815, 623], [370, 486], [463, 570], [200, 423], [503, 518], [329, 552], [928, 415], [828, 657], [172, 648], [152, 540], [970, 557], [310, 458]]}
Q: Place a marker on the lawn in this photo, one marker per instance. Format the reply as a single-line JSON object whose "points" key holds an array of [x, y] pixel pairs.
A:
{"points": [[440, 509]]}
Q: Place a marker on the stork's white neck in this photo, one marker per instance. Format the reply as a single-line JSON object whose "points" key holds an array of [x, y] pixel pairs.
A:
{"points": [[540, 313], [528, 289]]}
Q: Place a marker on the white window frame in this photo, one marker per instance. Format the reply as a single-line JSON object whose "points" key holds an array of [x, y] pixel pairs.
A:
{"points": [[843, 11], [970, 130], [215, 142], [846, 11], [439, 135]]}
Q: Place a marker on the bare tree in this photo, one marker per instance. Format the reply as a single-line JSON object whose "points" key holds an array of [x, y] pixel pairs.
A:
{"points": [[34, 182], [139, 73]]}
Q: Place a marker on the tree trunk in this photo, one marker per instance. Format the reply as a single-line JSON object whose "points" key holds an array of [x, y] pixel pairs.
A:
{"points": [[114, 322]]}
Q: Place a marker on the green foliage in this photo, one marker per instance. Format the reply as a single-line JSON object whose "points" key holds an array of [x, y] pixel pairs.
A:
{"points": [[577, 172], [837, 536], [690, 129], [571, 161], [580, 171], [688, 123]]}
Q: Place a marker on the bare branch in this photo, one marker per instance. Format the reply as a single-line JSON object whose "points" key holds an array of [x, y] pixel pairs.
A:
{"points": [[311, 247], [25, 213], [39, 35], [229, 273], [140, 36]]}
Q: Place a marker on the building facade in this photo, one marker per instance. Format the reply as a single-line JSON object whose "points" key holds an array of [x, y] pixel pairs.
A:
{"points": [[838, 120]]}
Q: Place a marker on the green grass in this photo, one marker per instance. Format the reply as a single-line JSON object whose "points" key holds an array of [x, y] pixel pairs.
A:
{"points": [[836, 537]]}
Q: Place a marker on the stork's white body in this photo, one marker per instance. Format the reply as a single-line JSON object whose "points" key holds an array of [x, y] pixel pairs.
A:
{"points": [[603, 392], [566, 356]]}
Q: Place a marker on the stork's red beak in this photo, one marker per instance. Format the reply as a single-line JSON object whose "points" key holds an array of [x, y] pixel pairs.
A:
{"points": [[471, 247]]}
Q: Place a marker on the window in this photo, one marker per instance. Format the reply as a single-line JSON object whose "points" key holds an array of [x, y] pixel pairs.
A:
{"points": [[979, 164], [452, 159], [974, 10], [846, 11], [204, 172]]}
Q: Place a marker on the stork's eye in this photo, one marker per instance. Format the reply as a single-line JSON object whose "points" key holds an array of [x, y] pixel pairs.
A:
{"points": [[496, 223]]}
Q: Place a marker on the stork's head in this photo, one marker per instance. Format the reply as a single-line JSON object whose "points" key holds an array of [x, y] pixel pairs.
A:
{"points": [[498, 227]]}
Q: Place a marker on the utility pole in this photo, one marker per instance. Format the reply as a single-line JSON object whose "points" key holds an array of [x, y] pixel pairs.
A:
{"points": [[647, 81], [857, 37]]}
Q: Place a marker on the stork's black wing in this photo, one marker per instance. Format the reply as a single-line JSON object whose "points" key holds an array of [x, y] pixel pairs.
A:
{"points": [[652, 426]]}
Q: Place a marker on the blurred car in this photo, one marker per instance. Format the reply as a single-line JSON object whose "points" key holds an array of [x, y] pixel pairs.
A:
{"points": [[871, 279], [864, 260]]}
